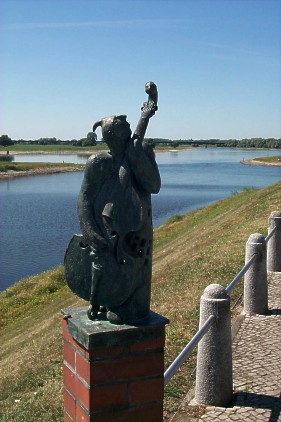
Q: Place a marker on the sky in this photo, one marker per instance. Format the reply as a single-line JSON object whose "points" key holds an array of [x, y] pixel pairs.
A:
{"points": [[67, 63]]}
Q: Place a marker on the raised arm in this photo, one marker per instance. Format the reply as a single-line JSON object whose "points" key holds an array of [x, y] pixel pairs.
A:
{"points": [[148, 110], [141, 158]]}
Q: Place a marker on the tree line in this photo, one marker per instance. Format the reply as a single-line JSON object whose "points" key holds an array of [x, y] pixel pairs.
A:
{"points": [[91, 140], [88, 141], [228, 143]]}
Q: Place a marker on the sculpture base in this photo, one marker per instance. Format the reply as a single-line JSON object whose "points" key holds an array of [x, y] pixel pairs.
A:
{"points": [[113, 372]]}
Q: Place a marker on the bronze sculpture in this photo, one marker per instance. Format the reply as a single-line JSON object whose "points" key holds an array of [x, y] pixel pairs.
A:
{"points": [[115, 216]]}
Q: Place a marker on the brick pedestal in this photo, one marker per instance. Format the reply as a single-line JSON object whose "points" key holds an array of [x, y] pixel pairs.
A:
{"points": [[111, 372]]}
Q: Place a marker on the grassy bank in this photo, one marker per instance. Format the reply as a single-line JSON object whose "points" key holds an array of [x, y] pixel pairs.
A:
{"points": [[25, 166], [205, 246], [48, 149], [276, 159], [66, 149], [264, 161]]}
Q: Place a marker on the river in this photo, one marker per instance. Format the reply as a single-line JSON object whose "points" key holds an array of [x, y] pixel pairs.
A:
{"points": [[38, 213]]}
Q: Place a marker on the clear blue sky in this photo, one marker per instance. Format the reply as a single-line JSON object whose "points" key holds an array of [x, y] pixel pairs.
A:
{"points": [[67, 63]]}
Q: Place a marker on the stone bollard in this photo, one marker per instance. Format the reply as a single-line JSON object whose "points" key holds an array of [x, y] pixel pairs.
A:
{"points": [[214, 359], [255, 280], [274, 243]]}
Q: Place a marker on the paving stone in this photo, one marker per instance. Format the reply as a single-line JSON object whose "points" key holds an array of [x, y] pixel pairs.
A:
{"points": [[261, 411], [256, 366]]}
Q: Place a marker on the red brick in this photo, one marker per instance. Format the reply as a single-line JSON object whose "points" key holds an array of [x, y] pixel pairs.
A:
{"points": [[83, 393], [79, 348], [150, 413], [69, 380], [144, 365], [147, 391], [83, 368], [122, 383], [76, 387], [148, 345], [67, 418], [69, 354], [65, 332], [99, 353], [67, 336], [81, 415], [108, 396], [69, 403]]}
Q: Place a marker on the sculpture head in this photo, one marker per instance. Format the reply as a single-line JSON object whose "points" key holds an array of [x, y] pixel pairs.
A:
{"points": [[116, 131]]}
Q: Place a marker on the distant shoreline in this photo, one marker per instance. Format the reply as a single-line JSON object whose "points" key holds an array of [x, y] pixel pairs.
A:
{"points": [[38, 172], [59, 169], [67, 152], [256, 162]]}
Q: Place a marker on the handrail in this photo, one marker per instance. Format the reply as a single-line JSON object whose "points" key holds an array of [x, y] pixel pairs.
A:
{"points": [[270, 234], [197, 337], [188, 349], [240, 274], [246, 266]]}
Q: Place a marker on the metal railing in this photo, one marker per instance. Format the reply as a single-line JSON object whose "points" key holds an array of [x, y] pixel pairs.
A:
{"points": [[205, 327], [187, 350], [240, 274], [270, 234]]}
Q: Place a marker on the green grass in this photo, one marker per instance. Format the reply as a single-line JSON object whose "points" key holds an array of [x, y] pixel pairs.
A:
{"points": [[270, 160], [56, 149], [26, 166], [64, 149], [205, 246], [25, 297]]}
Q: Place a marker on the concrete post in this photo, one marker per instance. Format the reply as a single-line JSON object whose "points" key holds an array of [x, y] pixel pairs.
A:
{"points": [[255, 280], [274, 243], [214, 359]]}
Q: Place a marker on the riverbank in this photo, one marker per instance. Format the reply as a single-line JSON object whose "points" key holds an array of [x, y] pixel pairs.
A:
{"points": [[191, 251], [50, 152], [10, 169], [263, 161], [37, 172], [47, 150]]}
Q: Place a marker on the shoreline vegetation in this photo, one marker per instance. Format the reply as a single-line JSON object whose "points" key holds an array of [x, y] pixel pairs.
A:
{"points": [[264, 161], [9, 169], [190, 252], [36, 169]]}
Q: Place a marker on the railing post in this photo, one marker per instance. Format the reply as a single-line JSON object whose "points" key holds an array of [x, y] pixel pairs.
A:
{"points": [[274, 243], [255, 280], [214, 359]]}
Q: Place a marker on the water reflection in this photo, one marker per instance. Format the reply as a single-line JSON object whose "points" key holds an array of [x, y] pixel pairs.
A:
{"points": [[51, 158], [7, 157]]}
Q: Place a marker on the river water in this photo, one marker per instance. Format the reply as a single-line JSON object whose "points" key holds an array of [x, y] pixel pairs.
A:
{"points": [[38, 213]]}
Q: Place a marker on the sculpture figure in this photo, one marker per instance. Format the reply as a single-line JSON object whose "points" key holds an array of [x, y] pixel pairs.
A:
{"points": [[115, 216]]}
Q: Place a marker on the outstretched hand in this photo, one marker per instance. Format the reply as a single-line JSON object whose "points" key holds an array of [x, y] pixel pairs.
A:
{"points": [[148, 110], [150, 106]]}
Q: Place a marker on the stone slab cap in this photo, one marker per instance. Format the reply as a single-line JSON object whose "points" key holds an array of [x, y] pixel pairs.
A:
{"points": [[215, 291], [275, 214], [92, 334], [256, 238]]}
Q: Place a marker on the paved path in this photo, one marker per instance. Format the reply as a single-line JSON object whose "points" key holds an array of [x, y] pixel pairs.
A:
{"points": [[256, 369]]}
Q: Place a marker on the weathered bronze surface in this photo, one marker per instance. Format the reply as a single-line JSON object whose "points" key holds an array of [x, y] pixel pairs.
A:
{"points": [[98, 333], [110, 264]]}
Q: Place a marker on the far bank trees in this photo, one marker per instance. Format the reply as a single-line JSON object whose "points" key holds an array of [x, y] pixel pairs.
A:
{"points": [[5, 141]]}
